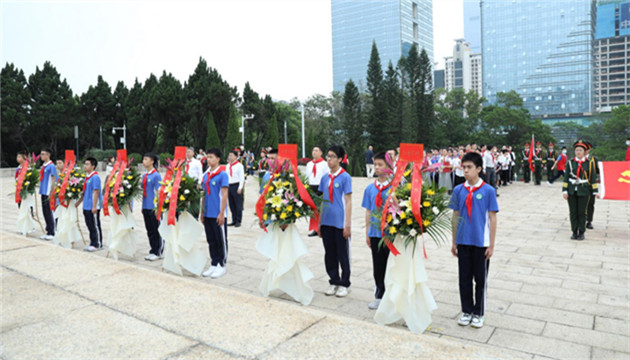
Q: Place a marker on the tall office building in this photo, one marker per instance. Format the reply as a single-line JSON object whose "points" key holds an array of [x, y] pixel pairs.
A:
{"points": [[472, 24], [393, 25], [463, 69], [612, 55], [544, 51]]}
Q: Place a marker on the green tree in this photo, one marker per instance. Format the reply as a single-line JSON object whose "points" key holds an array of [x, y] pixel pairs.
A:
{"points": [[198, 102], [272, 138], [608, 134], [353, 127], [391, 132], [212, 139], [167, 107], [15, 102], [98, 108], [376, 113]]}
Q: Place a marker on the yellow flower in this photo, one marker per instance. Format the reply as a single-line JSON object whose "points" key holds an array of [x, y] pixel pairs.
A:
{"points": [[29, 173], [403, 215], [265, 217], [27, 182], [392, 230], [129, 177], [426, 223], [283, 215], [426, 204], [407, 173], [389, 218], [430, 192], [409, 221], [121, 194], [57, 190], [276, 201], [270, 188], [166, 201], [182, 198], [297, 214], [290, 208], [408, 186], [285, 184]]}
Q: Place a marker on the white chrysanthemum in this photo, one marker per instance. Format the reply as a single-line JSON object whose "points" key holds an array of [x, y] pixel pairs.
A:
{"points": [[403, 204], [186, 192], [413, 232], [435, 210], [299, 204], [396, 221], [128, 186]]}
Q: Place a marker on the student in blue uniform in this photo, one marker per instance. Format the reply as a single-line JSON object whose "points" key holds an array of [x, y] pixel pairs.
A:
{"points": [[374, 198], [92, 199], [150, 187], [271, 162], [214, 184], [336, 213], [475, 208], [47, 179]]}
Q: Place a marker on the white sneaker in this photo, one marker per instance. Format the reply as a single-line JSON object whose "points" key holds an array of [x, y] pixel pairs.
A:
{"points": [[548, 183], [152, 257], [465, 319], [477, 321], [342, 291], [209, 271], [90, 248], [220, 271], [50, 237], [44, 237], [374, 304], [332, 290]]}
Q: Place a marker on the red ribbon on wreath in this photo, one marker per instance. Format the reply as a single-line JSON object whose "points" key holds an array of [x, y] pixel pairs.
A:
{"points": [[20, 181], [288, 152], [174, 169], [68, 166], [119, 169], [409, 153]]}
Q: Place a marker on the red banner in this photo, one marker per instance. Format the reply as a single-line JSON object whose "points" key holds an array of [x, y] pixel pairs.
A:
{"points": [[288, 152], [531, 154], [179, 158], [20, 181], [615, 180], [68, 166], [409, 153]]}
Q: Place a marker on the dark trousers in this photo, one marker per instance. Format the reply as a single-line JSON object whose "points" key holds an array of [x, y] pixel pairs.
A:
{"points": [[472, 265], [48, 215], [216, 236], [526, 171], [511, 173], [491, 177], [93, 223], [590, 209], [505, 176], [558, 174], [151, 223], [458, 180], [577, 213], [537, 172], [550, 171], [236, 203], [379, 263], [336, 254]]}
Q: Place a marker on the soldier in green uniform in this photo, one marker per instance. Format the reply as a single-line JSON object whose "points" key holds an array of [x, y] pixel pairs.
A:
{"points": [[592, 166], [550, 159], [538, 158], [525, 163], [578, 184]]}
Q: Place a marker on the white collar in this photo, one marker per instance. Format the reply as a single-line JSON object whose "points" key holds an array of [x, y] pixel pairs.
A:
{"points": [[47, 163], [149, 172], [215, 170], [90, 174], [582, 159], [466, 184], [337, 172], [382, 184]]}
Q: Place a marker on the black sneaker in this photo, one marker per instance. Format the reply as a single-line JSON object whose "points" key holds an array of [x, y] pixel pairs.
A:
{"points": [[237, 225], [589, 225], [580, 236], [231, 224], [312, 233], [574, 236]]}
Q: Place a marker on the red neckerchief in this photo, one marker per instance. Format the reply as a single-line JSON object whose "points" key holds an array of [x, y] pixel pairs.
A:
{"points": [[86, 180], [17, 171], [537, 151], [216, 172], [330, 185], [315, 162], [261, 163], [381, 188], [469, 198], [577, 175], [144, 182], [41, 172], [232, 165]]}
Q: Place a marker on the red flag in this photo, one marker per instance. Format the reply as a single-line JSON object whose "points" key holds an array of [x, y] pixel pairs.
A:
{"points": [[615, 180], [531, 154]]}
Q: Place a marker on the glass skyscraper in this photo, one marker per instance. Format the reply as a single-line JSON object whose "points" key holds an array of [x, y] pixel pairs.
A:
{"points": [[393, 24], [543, 50], [472, 24]]}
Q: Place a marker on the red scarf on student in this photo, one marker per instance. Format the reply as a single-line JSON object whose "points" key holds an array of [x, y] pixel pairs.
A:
{"points": [[379, 196], [86, 181], [315, 162], [330, 185], [41, 172], [144, 182], [232, 165], [469, 198], [210, 176]]}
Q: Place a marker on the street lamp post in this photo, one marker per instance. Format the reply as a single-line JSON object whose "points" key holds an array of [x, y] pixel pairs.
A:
{"points": [[285, 131], [124, 138], [242, 129], [303, 149]]}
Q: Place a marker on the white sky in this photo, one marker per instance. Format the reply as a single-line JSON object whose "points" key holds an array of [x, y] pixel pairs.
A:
{"points": [[282, 47]]}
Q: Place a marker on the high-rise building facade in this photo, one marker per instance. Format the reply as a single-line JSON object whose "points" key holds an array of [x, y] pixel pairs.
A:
{"points": [[612, 55], [543, 50], [393, 24], [472, 24], [463, 69]]}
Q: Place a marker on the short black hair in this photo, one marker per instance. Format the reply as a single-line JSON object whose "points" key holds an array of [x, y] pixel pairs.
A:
{"points": [[504, 151], [92, 161], [319, 147], [273, 151], [153, 157], [338, 150], [47, 150], [214, 151], [564, 147], [381, 156], [474, 158], [22, 152], [236, 153]]}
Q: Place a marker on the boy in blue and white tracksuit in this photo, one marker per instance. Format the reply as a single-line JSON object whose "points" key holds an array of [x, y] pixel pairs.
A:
{"points": [[92, 199], [150, 187], [475, 208], [48, 177]]}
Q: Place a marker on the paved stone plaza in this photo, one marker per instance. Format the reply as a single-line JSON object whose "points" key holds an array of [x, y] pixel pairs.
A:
{"points": [[548, 296]]}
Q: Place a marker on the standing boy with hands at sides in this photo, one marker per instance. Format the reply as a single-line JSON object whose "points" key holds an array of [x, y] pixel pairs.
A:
{"points": [[374, 198], [150, 187], [92, 198], [475, 208], [215, 184], [334, 224]]}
